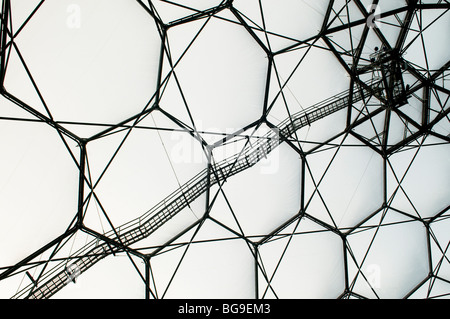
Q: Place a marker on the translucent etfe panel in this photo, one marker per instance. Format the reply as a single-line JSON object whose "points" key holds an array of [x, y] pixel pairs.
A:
{"points": [[311, 74], [38, 188], [351, 182], [114, 277], [431, 23], [426, 182], [19, 284], [372, 129], [203, 268], [391, 25], [252, 201], [425, 34], [303, 261], [221, 75], [390, 252], [22, 10], [168, 12], [384, 6], [440, 240], [236, 142], [82, 58], [376, 19]]}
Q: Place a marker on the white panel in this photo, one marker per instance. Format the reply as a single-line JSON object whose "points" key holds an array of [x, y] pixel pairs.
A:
{"points": [[80, 55], [397, 256], [281, 18], [221, 76], [254, 193], [112, 278], [38, 188], [428, 180], [439, 246], [311, 264], [317, 77], [214, 269], [140, 175]]}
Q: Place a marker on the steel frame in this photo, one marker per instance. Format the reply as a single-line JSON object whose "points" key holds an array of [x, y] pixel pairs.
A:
{"points": [[389, 102]]}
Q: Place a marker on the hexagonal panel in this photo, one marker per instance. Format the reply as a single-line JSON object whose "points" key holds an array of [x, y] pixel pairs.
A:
{"points": [[218, 76], [391, 253], [344, 184], [303, 261], [248, 200], [85, 85], [225, 271], [39, 186]]}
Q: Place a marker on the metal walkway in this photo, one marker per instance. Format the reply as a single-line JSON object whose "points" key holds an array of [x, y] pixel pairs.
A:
{"points": [[134, 231]]}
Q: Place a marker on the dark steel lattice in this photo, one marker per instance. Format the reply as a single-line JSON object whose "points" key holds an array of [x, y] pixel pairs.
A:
{"points": [[394, 107]]}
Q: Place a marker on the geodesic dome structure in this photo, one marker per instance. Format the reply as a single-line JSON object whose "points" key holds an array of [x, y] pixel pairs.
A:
{"points": [[224, 149]]}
